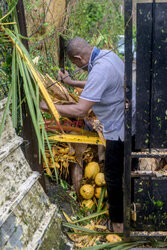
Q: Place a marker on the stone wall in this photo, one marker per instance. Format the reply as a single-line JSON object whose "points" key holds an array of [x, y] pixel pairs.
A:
{"points": [[27, 218]]}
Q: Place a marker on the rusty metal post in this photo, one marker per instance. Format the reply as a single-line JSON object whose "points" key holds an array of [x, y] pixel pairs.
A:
{"points": [[30, 148]]}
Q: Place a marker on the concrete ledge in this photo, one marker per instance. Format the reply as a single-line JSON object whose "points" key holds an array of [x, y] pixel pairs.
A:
{"points": [[9, 147], [7, 208]]}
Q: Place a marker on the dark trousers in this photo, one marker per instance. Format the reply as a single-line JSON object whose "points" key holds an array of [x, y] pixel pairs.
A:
{"points": [[113, 171]]}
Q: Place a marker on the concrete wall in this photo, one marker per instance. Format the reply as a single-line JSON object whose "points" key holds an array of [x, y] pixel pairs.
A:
{"points": [[27, 218]]}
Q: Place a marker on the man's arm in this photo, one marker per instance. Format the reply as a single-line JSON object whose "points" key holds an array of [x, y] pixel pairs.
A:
{"points": [[69, 81], [79, 84], [75, 110]]}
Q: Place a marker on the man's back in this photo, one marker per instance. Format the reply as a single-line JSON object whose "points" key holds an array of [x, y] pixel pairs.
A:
{"points": [[105, 87]]}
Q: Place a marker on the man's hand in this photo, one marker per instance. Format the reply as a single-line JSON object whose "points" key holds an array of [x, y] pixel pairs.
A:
{"points": [[65, 75], [69, 81]]}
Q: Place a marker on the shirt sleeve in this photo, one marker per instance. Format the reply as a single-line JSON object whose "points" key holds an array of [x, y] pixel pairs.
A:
{"points": [[97, 83]]}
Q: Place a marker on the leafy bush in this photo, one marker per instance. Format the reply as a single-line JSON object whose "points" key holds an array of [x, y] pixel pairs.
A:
{"points": [[99, 22]]}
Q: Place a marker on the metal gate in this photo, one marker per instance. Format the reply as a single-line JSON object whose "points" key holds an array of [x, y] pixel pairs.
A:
{"points": [[151, 99]]}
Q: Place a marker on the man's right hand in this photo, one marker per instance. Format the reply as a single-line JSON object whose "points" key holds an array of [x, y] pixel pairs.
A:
{"points": [[65, 77], [69, 81]]}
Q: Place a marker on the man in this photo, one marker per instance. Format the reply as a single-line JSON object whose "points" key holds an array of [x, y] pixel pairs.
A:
{"points": [[104, 93]]}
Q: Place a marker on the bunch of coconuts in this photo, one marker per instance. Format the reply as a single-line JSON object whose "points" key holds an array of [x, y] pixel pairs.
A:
{"points": [[91, 189]]}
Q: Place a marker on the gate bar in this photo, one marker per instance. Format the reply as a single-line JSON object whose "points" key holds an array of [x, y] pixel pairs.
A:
{"points": [[128, 111]]}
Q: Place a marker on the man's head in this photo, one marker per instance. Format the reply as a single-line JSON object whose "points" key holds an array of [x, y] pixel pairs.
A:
{"points": [[79, 51]]}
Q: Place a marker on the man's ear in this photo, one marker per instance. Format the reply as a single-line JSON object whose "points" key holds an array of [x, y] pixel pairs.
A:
{"points": [[78, 57]]}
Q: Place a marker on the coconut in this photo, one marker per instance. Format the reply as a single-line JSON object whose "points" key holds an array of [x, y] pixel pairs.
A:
{"points": [[87, 204], [61, 150], [91, 170], [165, 167], [87, 191], [113, 238], [99, 179], [65, 164], [66, 150], [98, 192], [107, 209]]}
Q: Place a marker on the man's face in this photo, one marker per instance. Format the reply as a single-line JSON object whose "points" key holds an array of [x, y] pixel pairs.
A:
{"points": [[79, 62]]}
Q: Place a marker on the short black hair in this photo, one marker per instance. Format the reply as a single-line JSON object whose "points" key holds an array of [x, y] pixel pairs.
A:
{"points": [[77, 46]]}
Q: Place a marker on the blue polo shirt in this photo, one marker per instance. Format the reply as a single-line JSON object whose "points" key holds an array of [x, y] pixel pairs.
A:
{"points": [[105, 87]]}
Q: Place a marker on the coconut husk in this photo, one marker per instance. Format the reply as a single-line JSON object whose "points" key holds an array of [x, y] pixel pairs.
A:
{"points": [[55, 91], [76, 177], [59, 90], [101, 155], [79, 149], [77, 169]]}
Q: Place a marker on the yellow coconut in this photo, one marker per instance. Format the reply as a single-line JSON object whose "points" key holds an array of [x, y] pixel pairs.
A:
{"points": [[87, 191], [66, 150], [91, 170], [87, 204], [113, 238], [98, 192], [165, 167], [56, 164], [65, 164], [107, 209], [99, 179], [72, 158], [61, 150], [55, 152]]}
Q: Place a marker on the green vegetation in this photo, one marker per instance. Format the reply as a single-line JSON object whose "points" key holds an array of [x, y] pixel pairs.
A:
{"points": [[99, 22]]}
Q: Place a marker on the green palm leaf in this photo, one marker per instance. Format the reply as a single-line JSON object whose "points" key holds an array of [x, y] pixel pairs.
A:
{"points": [[12, 6], [6, 110], [117, 245], [14, 89], [23, 65]]}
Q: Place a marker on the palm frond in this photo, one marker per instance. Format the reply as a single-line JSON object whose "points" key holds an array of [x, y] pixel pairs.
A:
{"points": [[11, 8], [100, 201], [117, 245], [6, 110], [22, 65], [14, 89], [91, 216]]}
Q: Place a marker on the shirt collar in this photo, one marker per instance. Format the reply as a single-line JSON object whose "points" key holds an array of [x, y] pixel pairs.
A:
{"points": [[95, 53]]}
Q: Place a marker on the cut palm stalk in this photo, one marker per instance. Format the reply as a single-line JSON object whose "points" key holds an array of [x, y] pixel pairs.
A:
{"points": [[77, 139]]}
